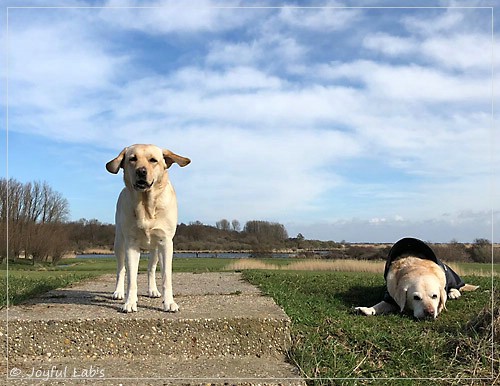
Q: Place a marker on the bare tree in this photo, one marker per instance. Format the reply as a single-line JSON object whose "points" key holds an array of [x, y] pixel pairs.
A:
{"points": [[223, 225], [266, 229], [236, 225], [24, 210], [266, 236]]}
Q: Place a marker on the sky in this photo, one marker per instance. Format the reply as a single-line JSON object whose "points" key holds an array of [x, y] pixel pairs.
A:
{"points": [[342, 122]]}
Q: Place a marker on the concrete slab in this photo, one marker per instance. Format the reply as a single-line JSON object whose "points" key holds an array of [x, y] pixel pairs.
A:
{"points": [[224, 323], [199, 296]]}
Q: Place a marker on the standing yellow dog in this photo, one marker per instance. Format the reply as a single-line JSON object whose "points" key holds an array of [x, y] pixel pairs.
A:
{"points": [[146, 218]]}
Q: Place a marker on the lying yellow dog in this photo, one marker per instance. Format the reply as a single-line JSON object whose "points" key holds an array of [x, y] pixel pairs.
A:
{"points": [[418, 281]]}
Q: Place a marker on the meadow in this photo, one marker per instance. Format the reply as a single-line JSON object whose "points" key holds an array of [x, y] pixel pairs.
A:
{"points": [[330, 343]]}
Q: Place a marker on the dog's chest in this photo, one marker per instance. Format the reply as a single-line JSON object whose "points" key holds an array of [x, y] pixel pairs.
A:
{"points": [[150, 227]]}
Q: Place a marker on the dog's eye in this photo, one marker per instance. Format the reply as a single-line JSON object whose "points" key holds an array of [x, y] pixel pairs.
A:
{"points": [[153, 160], [416, 297], [133, 158], [434, 296]]}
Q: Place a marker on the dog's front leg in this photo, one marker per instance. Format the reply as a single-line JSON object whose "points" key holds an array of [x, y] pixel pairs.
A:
{"points": [[378, 309], [166, 250], [153, 261], [120, 269], [132, 256]]}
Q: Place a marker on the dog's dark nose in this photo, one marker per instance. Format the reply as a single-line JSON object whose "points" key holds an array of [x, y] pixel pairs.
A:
{"points": [[141, 172]]}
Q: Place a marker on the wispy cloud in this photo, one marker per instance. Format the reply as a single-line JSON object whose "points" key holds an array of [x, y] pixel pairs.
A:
{"points": [[329, 19], [442, 228], [161, 17]]}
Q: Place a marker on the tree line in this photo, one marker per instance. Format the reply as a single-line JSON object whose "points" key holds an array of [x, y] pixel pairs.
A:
{"points": [[257, 236], [34, 219], [32, 216], [480, 251]]}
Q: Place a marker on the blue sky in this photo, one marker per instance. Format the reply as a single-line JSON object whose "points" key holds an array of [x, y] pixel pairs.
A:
{"points": [[341, 122]]}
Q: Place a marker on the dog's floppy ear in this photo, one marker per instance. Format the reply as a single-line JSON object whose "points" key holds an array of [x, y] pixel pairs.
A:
{"points": [[400, 298], [115, 164], [171, 158], [442, 300]]}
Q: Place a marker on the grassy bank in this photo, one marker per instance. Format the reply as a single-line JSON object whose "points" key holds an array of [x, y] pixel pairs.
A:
{"points": [[25, 284], [330, 341]]}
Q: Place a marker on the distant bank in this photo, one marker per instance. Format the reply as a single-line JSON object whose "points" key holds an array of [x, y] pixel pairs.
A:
{"points": [[220, 255]]}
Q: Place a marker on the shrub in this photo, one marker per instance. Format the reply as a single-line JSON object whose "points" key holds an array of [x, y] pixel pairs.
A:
{"points": [[454, 251], [480, 251]]}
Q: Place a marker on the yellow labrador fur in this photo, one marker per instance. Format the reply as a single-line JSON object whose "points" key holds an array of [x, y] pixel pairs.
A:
{"points": [[417, 285], [146, 219]]}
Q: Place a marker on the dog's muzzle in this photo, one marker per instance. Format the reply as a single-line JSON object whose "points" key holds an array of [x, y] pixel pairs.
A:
{"points": [[142, 185]]}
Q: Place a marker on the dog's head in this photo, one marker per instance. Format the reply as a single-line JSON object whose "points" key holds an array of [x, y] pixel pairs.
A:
{"points": [[144, 165], [426, 297], [418, 285]]}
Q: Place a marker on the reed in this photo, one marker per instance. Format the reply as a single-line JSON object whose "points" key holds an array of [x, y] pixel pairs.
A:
{"points": [[310, 265], [347, 265]]}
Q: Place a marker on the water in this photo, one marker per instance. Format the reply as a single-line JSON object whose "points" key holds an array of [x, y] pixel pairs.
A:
{"points": [[222, 255]]}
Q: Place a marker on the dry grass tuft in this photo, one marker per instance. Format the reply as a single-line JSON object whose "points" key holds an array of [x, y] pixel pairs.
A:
{"points": [[242, 264], [337, 265], [347, 265], [456, 268], [311, 265]]}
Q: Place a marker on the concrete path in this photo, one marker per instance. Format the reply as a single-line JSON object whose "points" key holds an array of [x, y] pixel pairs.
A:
{"points": [[226, 332]]}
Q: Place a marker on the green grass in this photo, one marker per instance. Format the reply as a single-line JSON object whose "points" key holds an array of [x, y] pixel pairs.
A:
{"points": [[330, 341], [478, 268], [26, 284], [108, 265]]}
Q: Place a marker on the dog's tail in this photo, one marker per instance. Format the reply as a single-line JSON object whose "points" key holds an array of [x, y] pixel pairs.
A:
{"points": [[469, 288]]}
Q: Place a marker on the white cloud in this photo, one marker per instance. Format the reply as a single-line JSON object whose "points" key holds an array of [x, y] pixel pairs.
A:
{"points": [[271, 49], [442, 23], [390, 45], [233, 80], [240, 53], [59, 74], [321, 19], [410, 82], [240, 97], [463, 52], [170, 16], [464, 226], [276, 174], [455, 39], [377, 220], [61, 58]]}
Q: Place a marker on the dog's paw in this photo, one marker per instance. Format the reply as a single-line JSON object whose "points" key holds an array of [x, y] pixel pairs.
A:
{"points": [[368, 311], [118, 295], [154, 293], [129, 307], [170, 306], [454, 294]]}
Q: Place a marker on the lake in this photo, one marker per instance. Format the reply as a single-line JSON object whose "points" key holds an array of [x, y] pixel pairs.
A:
{"points": [[221, 255]]}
